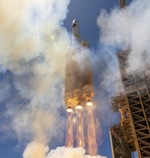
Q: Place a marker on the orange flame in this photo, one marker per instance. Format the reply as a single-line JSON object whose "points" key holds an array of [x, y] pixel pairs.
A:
{"points": [[69, 133]]}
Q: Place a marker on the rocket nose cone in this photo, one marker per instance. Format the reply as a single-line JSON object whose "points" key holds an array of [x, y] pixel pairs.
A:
{"points": [[75, 22], [76, 29]]}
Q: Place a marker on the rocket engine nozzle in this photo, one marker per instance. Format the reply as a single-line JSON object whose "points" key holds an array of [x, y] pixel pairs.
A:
{"points": [[79, 106], [89, 103], [69, 109]]}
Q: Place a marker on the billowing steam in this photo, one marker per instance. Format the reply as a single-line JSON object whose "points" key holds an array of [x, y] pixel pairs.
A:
{"points": [[39, 151], [35, 150], [33, 45], [128, 28]]}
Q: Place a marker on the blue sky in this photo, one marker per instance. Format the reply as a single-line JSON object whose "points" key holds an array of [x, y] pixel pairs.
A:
{"points": [[86, 11]]}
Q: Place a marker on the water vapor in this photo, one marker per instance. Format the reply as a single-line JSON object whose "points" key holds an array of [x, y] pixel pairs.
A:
{"points": [[39, 151], [128, 28], [33, 45]]}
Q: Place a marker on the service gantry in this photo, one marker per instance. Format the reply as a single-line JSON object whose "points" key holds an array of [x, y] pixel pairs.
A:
{"points": [[133, 103], [133, 131]]}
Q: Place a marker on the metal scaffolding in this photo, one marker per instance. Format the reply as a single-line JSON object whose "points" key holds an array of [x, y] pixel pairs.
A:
{"points": [[118, 144], [133, 132]]}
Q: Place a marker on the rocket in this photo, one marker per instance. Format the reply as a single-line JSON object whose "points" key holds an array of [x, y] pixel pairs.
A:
{"points": [[78, 73]]}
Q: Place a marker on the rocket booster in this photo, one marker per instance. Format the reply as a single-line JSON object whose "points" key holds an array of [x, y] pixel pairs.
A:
{"points": [[78, 73]]}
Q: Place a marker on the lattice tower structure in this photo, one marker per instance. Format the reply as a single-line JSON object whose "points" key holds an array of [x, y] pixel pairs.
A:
{"points": [[122, 141], [120, 149], [134, 106]]}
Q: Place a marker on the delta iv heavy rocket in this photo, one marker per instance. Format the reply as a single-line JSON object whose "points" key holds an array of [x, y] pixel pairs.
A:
{"points": [[78, 74]]}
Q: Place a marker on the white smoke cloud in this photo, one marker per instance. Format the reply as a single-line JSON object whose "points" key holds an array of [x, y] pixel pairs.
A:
{"points": [[128, 28], [35, 150], [40, 151], [33, 45]]}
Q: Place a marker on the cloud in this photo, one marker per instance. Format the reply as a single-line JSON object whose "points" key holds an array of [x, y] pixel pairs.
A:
{"points": [[128, 28], [35, 150], [40, 151], [33, 47]]}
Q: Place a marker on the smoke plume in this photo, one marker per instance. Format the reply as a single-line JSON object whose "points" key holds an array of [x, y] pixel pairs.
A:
{"points": [[128, 28], [32, 51], [39, 151]]}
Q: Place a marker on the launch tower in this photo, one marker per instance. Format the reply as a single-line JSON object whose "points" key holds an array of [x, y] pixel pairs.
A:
{"points": [[133, 131]]}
